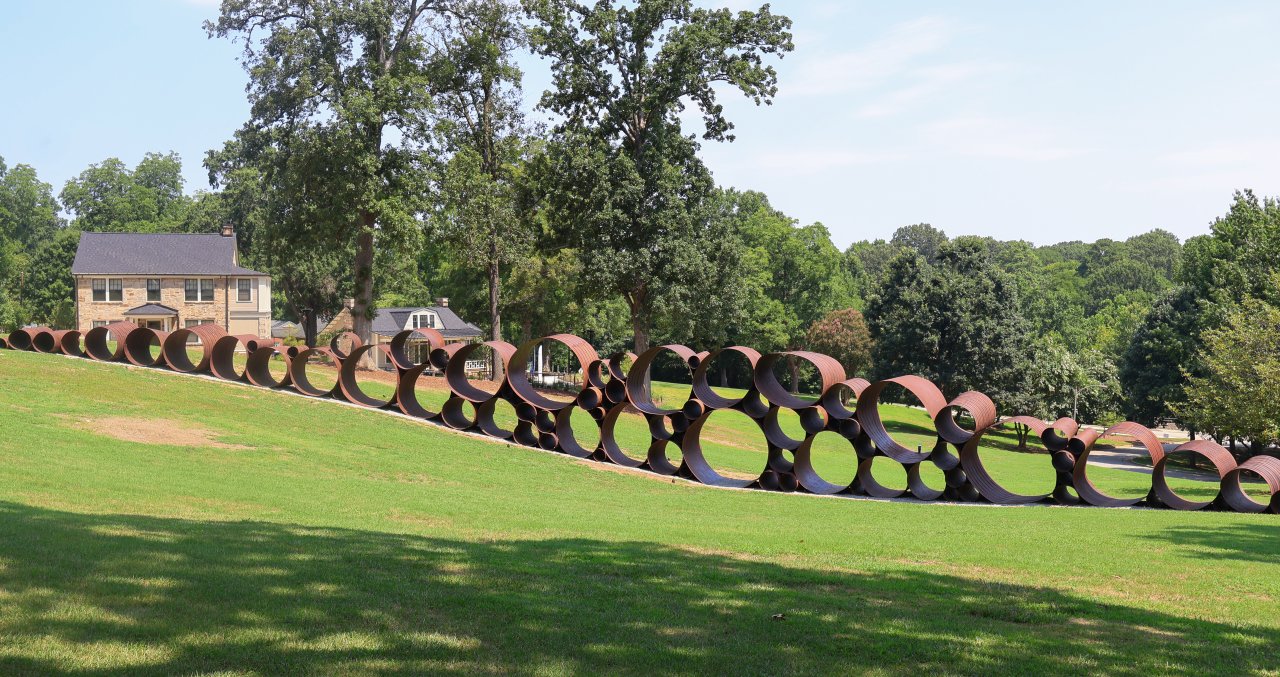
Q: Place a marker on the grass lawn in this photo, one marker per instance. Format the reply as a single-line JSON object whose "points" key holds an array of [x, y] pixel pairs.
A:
{"points": [[257, 533]]}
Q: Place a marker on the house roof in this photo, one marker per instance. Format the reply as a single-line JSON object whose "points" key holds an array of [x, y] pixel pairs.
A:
{"points": [[151, 309], [157, 254], [391, 321], [286, 329]]}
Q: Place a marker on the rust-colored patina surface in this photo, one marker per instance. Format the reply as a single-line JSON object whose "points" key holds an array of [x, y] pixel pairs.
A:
{"points": [[582, 422]]}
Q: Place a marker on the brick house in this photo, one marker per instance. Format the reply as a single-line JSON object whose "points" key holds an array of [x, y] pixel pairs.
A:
{"points": [[387, 322], [167, 281]]}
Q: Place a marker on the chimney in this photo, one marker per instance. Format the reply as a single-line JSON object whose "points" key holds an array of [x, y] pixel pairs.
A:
{"points": [[443, 302], [228, 230]]}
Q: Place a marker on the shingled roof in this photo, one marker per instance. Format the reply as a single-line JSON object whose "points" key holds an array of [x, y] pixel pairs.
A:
{"points": [[391, 321], [157, 254]]}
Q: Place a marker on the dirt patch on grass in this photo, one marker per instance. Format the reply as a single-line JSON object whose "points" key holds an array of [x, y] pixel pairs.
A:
{"points": [[155, 431]]}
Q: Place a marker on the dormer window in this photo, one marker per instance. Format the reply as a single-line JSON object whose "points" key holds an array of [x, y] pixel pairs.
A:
{"points": [[423, 320]]}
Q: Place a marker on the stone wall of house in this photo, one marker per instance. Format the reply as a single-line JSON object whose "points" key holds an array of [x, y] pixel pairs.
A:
{"points": [[172, 294]]}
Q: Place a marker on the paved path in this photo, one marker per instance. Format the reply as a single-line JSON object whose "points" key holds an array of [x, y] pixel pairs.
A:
{"points": [[1122, 459]]}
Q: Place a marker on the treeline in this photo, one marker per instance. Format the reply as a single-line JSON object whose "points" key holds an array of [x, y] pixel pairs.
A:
{"points": [[387, 160]]}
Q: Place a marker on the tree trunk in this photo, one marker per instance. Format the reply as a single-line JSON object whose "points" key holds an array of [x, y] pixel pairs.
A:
{"points": [[1022, 432], [495, 315], [640, 333], [310, 327], [362, 308], [724, 377], [793, 366], [526, 329]]}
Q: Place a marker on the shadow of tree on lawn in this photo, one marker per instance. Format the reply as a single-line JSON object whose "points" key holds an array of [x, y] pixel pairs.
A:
{"points": [[1244, 542], [117, 594]]}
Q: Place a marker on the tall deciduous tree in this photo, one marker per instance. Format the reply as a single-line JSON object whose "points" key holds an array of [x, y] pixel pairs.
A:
{"points": [[108, 196], [1237, 392], [843, 334], [484, 129], [340, 93], [956, 323], [625, 185]]}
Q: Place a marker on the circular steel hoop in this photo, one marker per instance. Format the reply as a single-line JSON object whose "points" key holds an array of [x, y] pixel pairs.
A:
{"points": [[95, 341], [298, 373], [176, 347], [1080, 475], [68, 341], [138, 344], [808, 476], [518, 371], [636, 378], [1221, 459], [868, 412], [830, 373], [988, 488], [257, 368], [1233, 494], [349, 382], [696, 462], [335, 345], [455, 371], [703, 390], [979, 406], [396, 349]]}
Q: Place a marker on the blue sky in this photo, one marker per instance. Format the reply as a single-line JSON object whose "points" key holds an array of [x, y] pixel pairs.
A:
{"points": [[1038, 121]]}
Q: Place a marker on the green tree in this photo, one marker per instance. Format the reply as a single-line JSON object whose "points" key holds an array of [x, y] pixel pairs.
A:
{"points": [[843, 334], [108, 196], [1236, 393], [957, 323], [483, 127], [28, 210], [922, 238], [1161, 351], [47, 288], [339, 125], [625, 186]]}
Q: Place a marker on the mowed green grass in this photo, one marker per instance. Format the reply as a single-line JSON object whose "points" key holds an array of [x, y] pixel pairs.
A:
{"points": [[325, 539]]}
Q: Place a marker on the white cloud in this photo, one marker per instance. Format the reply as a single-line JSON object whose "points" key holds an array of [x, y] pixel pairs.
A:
{"points": [[927, 83], [874, 63], [1001, 138], [805, 161]]}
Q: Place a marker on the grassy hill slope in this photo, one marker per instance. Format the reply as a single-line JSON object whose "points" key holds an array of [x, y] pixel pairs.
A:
{"points": [[260, 533]]}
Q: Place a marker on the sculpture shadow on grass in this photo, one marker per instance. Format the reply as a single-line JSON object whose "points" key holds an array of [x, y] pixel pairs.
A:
{"points": [[1243, 542], [145, 595]]}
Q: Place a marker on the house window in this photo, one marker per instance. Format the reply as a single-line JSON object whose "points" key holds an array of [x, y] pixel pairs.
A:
{"points": [[244, 290], [99, 323], [427, 320], [111, 289], [198, 290], [153, 289], [193, 339]]}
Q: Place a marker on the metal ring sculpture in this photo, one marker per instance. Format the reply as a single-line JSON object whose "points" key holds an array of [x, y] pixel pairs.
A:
{"points": [[847, 408]]}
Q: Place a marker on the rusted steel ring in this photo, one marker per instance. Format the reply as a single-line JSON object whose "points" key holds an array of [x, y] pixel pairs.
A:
{"points": [[335, 345], [298, 373], [1080, 476], [257, 368], [986, 486], [702, 388], [1233, 494], [868, 412], [396, 350], [830, 373], [95, 341], [455, 372], [349, 384], [176, 347], [696, 462], [808, 477], [637, 378], [38, 339], [138, 344], [518, 369], [68, 341], [1221, 459]]}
